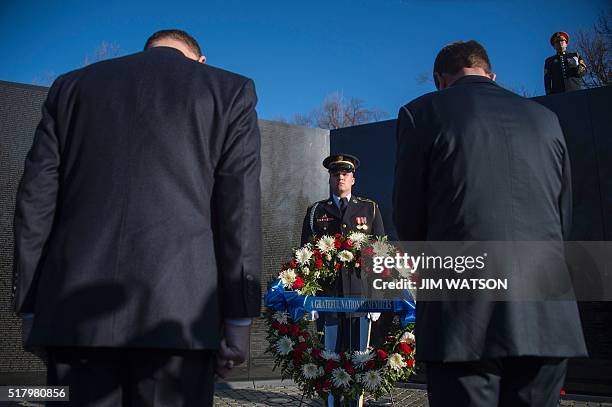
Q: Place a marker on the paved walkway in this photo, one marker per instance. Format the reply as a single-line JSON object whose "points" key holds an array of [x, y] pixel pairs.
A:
{"points": [[277, 393]]}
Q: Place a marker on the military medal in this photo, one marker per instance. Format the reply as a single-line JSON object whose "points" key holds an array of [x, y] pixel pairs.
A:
{"points": [[361, 222]]}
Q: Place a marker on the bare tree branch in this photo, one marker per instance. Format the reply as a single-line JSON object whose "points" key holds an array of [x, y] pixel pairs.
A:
{"points": [[337, 112], [595, 47], [103, 51], [423, 78], [46, 79]]}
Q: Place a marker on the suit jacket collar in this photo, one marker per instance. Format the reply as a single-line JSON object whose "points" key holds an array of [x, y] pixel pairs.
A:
{"points": [[472, 79], [165, 50]]}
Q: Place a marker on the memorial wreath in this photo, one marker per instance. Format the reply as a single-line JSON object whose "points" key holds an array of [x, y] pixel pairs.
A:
{"points": [[298, 351]]}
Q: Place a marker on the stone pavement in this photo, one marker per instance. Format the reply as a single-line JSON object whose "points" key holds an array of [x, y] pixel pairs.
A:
{"points": [[285, 393]]}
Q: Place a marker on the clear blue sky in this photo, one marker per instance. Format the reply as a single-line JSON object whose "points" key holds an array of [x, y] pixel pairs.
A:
{"points": [[298, 52]]}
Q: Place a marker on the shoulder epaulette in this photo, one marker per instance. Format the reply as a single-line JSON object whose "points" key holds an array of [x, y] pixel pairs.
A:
{"points": [[374, 204]]}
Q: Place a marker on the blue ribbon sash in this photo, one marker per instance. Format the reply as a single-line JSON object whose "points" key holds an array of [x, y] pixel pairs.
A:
{"points": [[297, 305]]}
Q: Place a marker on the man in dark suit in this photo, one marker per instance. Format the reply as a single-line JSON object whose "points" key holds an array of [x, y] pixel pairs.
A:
{"points": [[477, 162], [137, 227], [343, 213]]}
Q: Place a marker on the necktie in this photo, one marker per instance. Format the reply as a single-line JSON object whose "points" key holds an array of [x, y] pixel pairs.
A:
{"points": [[343, 205]]}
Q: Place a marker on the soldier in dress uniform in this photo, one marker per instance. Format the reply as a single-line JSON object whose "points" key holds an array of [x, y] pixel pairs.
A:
{"points": [[342, 213], [562, 71]]}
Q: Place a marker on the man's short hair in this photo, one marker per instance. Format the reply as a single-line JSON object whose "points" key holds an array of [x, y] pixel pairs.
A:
{"points": [[178, 35], [452, 58]]}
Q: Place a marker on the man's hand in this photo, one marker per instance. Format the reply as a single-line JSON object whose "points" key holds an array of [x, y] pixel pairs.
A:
{"points": [[233, 349], [573, 62]]}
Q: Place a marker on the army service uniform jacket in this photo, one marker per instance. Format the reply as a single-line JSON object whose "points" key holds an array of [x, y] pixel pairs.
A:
{"points": [[325, 218], [560, 76]]}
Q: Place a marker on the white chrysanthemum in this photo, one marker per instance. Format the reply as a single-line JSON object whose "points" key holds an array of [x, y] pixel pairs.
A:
{"points": [[371, 380], [358, 239], [381, 249], [317, 274], [345, 256], [404, 272], [340, 378], [306, 271], [326, 244], [360, 358], [330, 355], [407, 337], [284, 345], [303, 255], [281, 317], [328, 257], [288, 277], [396, 361], [311, 371]]}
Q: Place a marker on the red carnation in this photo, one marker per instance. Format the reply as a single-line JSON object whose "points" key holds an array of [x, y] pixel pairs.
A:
{"points": [[382, 355], [304, 334], [410, 362], [348, 244], [292, 264], [316, 252], [367, 251], [326, 385], [318, 263], [370, 364], [294, 330], [337, 235], [298, 283], [405, 348], [562, 392], [337, 244], [275, 324], [330, 365], [386, 273], [283, 329], [298, 352], [348, 366], [337, 266], [316, 353]]}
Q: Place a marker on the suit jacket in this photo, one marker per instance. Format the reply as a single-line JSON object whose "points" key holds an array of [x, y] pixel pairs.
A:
{"points": [[325, 218], [476, 162], [138, 215]]}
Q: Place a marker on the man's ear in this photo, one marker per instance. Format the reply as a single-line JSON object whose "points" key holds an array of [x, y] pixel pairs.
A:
{"points": [[492, 76], [202, 59]]}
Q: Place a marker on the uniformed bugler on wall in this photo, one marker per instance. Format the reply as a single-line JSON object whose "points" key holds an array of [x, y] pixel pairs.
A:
{"points": [[563, 71]]}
